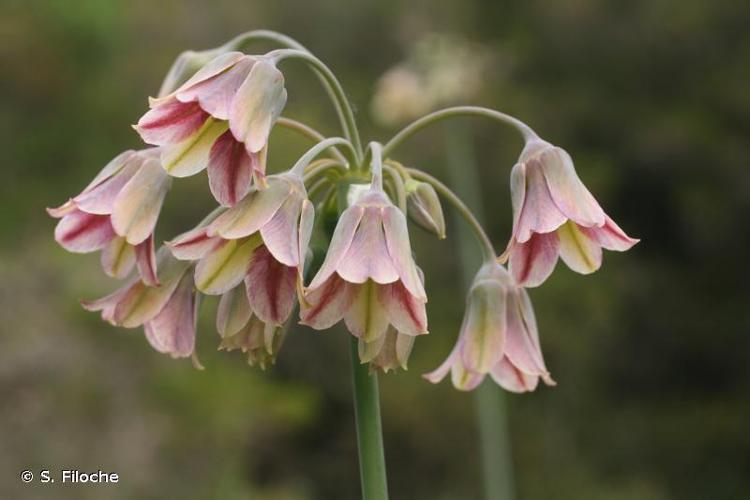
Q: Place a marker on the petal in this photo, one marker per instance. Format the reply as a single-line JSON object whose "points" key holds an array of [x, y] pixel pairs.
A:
{"points": [[366, 318], [368, 257], [271, 287], [280, 234], [306, 223], [146, 260], [370, 350], [252, 212], [484, 326], [216, 84], [118, 258], [256, 105], [192, 154], [137, 206], [80, 232], [327, 304], [399, 248], [230, 170], [225, 266], [340, 243], [567, 190], [233, 313], [610, 236], [441, 371], [192, 245], [465, 380], [580, 252], [63, 210], [404, 311], [539, 213], [172, 331], [517, 191], [170, 122], [101, 198], [512, 379], [108, 303], [111, 168], [532, 262], [522, 345]]}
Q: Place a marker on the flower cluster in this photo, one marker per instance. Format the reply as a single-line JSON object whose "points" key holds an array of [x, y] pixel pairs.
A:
{"points": [[329, 237]]}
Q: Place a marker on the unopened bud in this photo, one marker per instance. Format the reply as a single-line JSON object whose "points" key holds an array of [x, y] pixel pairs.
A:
{"points": [[424, 207]]}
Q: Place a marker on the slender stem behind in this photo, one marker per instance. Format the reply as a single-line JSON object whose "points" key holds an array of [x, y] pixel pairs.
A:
{"points": [[494, 440], [369, 429]]}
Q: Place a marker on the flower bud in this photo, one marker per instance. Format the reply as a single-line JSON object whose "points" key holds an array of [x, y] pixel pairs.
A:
{"points": [[423, 207]]}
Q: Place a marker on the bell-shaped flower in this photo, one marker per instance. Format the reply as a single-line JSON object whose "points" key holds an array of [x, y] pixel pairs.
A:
{"points": [[219, 119], [555, 215], [117, 213], [498, 337], [424, 208], [240, 329], [262, 240], [168, 312], [368, 277]]}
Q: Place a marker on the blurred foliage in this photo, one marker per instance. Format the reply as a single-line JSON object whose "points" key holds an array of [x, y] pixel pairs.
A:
{"points": [[650, 353]]}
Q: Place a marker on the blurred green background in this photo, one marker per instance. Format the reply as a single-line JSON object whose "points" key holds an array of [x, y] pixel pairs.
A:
{"points": [[651, 353]]}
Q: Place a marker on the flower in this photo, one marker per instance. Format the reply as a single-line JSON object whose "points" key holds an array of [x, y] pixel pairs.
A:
{"points": [[424, 207], [168, 312], [368, 277], [219, 119], [241, 329], [262, 240], [555, 215], [498, 336], [389, 352], [117, 213]]}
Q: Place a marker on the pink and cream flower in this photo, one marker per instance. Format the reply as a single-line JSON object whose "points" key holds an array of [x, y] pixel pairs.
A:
{"points": [[368, 277], [220, 119], [117, 213], [167, 312], [498, 337], [554, 215], [262, 240]]}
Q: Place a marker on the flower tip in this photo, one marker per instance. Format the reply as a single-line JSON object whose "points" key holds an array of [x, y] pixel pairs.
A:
{"points": [[196, 362]]}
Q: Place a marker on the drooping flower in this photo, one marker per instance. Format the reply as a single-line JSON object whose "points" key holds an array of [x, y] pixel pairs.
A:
{"points": [[262, 240], [219, 119], [240, 329], [117, 213], [167, 312], [498, 337], [555, 215], [368, 277]]}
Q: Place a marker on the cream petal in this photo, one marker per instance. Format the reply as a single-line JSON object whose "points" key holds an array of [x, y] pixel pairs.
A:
{"points": [[118, 258], [192, 154], [171, 122], [367, 256], [230, 170], [146, 260], [257, 104], [399, 248], [370, 350], [340, 243], [580, 252], [610, 236], [215, 88], [271, 287], [465, 380], [567, 190], [281, 233], [404, 345], [517, 191], [532, 262], [484, 327], [192, 245], [306, 223], [233, 313], [225, 266], [366, 318], [101, 198], [80, 232], [327, 304], [512, 379], [252, 212], [172, 331], [539, 213], [138, 204], [404, 312]]}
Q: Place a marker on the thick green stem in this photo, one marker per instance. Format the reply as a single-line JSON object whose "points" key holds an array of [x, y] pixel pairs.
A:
{"points": [[494, 442], [369, 431], [435, 117]]}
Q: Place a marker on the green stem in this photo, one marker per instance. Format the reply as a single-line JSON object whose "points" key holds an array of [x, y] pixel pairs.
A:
{"points": [[494, 442], [435, 117], [369, 431], [317, 149]]}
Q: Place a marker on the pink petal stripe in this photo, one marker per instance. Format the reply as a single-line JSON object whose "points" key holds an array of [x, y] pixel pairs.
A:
{"points": [[532, 262], [405, 312], [327, 304], [172, 331], [192, 245], [230, 170], [512, 379], [610, 236], [80, 232], [146, 260], [271, 287], [171, 122]]}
